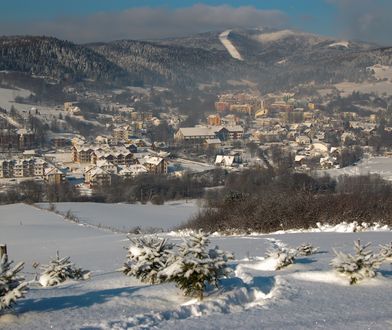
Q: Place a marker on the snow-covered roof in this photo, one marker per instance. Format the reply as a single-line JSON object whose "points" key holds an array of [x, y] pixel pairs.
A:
{"points": [[213, 141], [208, 130], [224, 160], [98, 171], [52, 171], [104, 162], [132, 170], [152, 160], [197, 131], [298, 158]]}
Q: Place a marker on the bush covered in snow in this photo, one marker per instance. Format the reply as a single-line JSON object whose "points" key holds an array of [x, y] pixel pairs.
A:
{"points": [[59, 270], [195, 266], [147, 256], [363, 264], [12, 285], [283, 257], [386, 251], [306, 249]]}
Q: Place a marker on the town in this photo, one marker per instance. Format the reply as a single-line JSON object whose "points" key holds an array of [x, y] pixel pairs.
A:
{"points": [[101, 138]]}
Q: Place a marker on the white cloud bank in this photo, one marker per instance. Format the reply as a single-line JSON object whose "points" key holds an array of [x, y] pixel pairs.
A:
{"points": [[148, 23]]}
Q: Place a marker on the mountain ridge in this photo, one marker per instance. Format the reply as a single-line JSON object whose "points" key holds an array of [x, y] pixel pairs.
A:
{"points": [[274, 59]]}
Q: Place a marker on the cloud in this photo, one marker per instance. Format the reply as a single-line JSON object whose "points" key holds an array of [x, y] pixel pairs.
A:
{"points": [[367, 20], [148, 23]]}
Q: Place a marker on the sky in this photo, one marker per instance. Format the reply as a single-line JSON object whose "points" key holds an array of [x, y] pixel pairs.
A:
{"points": [[103, 20]]}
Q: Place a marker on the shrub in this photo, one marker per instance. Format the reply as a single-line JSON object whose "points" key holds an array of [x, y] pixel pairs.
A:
{"points": [[59, 270], [363, 264]]}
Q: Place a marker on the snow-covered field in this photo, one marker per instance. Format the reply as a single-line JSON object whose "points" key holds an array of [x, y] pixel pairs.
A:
{"points": [[306, 295], [381, 72], [378, 87], [123, 217], [7, 96], [374, 165], [193, 166]]}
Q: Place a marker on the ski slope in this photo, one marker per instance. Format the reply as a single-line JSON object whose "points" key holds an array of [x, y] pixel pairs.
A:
{"points": [[223, 37], [306, 295]]}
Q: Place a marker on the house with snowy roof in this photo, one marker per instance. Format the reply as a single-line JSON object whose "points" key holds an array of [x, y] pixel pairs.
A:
{"points": [[154, 164]]}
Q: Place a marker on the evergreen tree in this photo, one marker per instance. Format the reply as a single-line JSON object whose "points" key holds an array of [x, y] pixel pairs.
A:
{"points": [[363, 264], [194, 267], [306, 249], [282, 256], [12, 285], [59, 270], [147, 256]]}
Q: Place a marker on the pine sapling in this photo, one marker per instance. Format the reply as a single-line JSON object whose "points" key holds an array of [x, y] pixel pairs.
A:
{"points": [[12, 285], [306, 249], [220, 269], [283, 257], [194, 266], [59, 270], [147, 256], [363, 264]]}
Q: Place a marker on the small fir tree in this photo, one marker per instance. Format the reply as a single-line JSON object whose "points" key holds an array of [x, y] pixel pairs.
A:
{"points": [[147, 256], [12, 285], [283, 257], [59, 270], [363, 264], [306, 249], [194, 266]]}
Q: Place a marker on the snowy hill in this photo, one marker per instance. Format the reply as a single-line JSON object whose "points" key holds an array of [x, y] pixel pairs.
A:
{"points": [[306, 294], [125, 217]]}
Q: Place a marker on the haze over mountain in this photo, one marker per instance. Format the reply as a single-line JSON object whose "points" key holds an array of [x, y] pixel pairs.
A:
{"points": [[274, 59]]}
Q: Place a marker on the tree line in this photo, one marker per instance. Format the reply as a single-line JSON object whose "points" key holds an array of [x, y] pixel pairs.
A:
{"points": [[259, 200]]}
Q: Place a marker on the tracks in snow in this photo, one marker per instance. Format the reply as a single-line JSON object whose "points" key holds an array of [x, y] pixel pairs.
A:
{"points": [[237, 294]]}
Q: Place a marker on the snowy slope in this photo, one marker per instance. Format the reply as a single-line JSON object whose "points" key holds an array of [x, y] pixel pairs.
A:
{"points": [[345, 44], [305, 295], [124, 217], [373, 165], [35, 235], [223, 37]]}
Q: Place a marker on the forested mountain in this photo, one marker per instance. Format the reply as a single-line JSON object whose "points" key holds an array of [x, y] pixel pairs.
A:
{"points": [[274, 59], [57, 59], [155, 63]]}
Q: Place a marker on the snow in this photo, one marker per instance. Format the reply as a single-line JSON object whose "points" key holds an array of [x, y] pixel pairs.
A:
{"points": [[193, 166], [124, 217], [275, 36], [234, 53], [379, 87], [345, 44], [7, 96], [373, 165], [381, 72], [306, 294], [45, 280]]}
